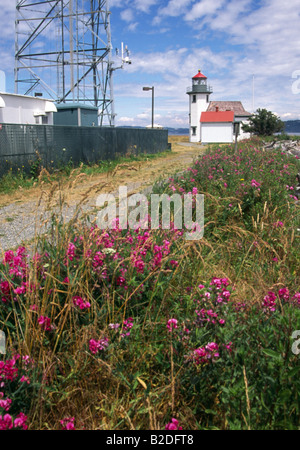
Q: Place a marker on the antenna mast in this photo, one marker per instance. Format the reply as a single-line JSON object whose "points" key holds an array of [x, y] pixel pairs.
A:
{"points": [[63, 49]]}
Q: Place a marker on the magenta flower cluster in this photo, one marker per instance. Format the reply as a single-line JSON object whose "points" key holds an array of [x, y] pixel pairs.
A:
{"points": [[7, 422], [205, 354], [9, 372], [173, 425], [81, 303], [270, 300], [45, 323], [68, 423], [124, 330], [97, 346], [172, 324]]}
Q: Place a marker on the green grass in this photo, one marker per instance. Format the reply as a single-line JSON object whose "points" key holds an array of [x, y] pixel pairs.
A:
{"points": [[14, 181]]}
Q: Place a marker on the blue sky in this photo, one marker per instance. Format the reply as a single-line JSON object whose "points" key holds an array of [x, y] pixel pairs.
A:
{"points": [[169, 40]]}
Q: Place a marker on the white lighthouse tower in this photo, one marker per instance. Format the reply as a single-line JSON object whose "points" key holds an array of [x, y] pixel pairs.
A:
{"points": [[199, 100]]}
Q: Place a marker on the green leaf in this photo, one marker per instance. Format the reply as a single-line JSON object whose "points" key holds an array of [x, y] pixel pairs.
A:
{"points": [[272, 354], [210, 411], [294, 371]]}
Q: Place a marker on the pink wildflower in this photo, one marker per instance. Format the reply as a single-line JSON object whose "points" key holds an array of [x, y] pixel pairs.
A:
{"points": [[140, 265], [172, 324], [5, 403], [24, 379], [255, 183], [297, 298], [8, 371], [68, 423], [20, 421], [127, 325], [6, 422], [96, 346], [228, 347], [284, 294], [173, 425], [78, 301], [174, 263], [71, 251], [114, 326], [45, 323], [269, 303]]}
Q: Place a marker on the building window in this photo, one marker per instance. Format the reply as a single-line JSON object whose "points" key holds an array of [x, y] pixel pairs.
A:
{"points": [[194, 98], [45, 120], [207, 98], [194, 130]]}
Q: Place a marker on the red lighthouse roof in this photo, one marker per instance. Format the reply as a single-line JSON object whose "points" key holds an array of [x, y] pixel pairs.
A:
{"points": [[199, 75]]}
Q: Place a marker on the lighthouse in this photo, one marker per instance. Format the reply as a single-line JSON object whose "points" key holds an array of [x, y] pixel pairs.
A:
{"points": [[198, 102]]}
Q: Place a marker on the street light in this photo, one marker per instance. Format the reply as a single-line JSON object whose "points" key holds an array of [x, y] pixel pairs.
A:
{"points": [[151, 89]]}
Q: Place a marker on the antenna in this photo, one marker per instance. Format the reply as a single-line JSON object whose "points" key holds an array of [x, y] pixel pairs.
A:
{"points": [[124, 59], [111, 69]]}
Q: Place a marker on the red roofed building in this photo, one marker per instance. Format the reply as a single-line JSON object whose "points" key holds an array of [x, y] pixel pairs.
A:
{"points": [[213, 121], [217, 126]]}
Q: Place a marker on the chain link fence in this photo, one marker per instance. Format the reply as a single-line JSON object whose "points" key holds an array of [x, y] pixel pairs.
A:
{"points": [[27, 147]]}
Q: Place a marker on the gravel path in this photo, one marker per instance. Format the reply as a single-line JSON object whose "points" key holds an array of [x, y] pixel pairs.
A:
{"points": [[19, 224], [21, 221]]}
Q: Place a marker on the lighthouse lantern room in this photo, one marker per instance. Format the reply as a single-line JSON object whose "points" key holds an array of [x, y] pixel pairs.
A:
{"points": [[199, 94]]}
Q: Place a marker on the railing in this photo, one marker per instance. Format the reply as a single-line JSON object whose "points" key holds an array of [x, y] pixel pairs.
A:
{"points": [[202, 88]]}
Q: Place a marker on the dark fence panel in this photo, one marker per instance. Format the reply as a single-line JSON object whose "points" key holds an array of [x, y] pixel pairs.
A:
{"points": [[24, 146]]}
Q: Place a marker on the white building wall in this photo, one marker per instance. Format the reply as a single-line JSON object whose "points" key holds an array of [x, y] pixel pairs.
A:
{"points": [[25, 110], [217, 133], [243, 134], [195, 113]]}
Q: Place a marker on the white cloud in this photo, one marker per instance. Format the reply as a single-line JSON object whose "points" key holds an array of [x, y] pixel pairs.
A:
{"points": [[204, 8], [116, 3], [158, 62], [126, 120], [132, 26], [174, 8], [127, 15], [145, 5]]}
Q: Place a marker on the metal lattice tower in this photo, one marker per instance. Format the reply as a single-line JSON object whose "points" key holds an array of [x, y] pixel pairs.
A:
{"points": [[63, 50]]}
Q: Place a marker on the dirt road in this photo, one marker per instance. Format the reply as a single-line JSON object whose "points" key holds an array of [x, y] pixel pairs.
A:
{"points": [[26, 213]]}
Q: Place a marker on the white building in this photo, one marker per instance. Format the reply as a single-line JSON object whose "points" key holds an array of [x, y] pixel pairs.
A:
{"points": [[217, 126], [210, 121], [24, 109]]}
